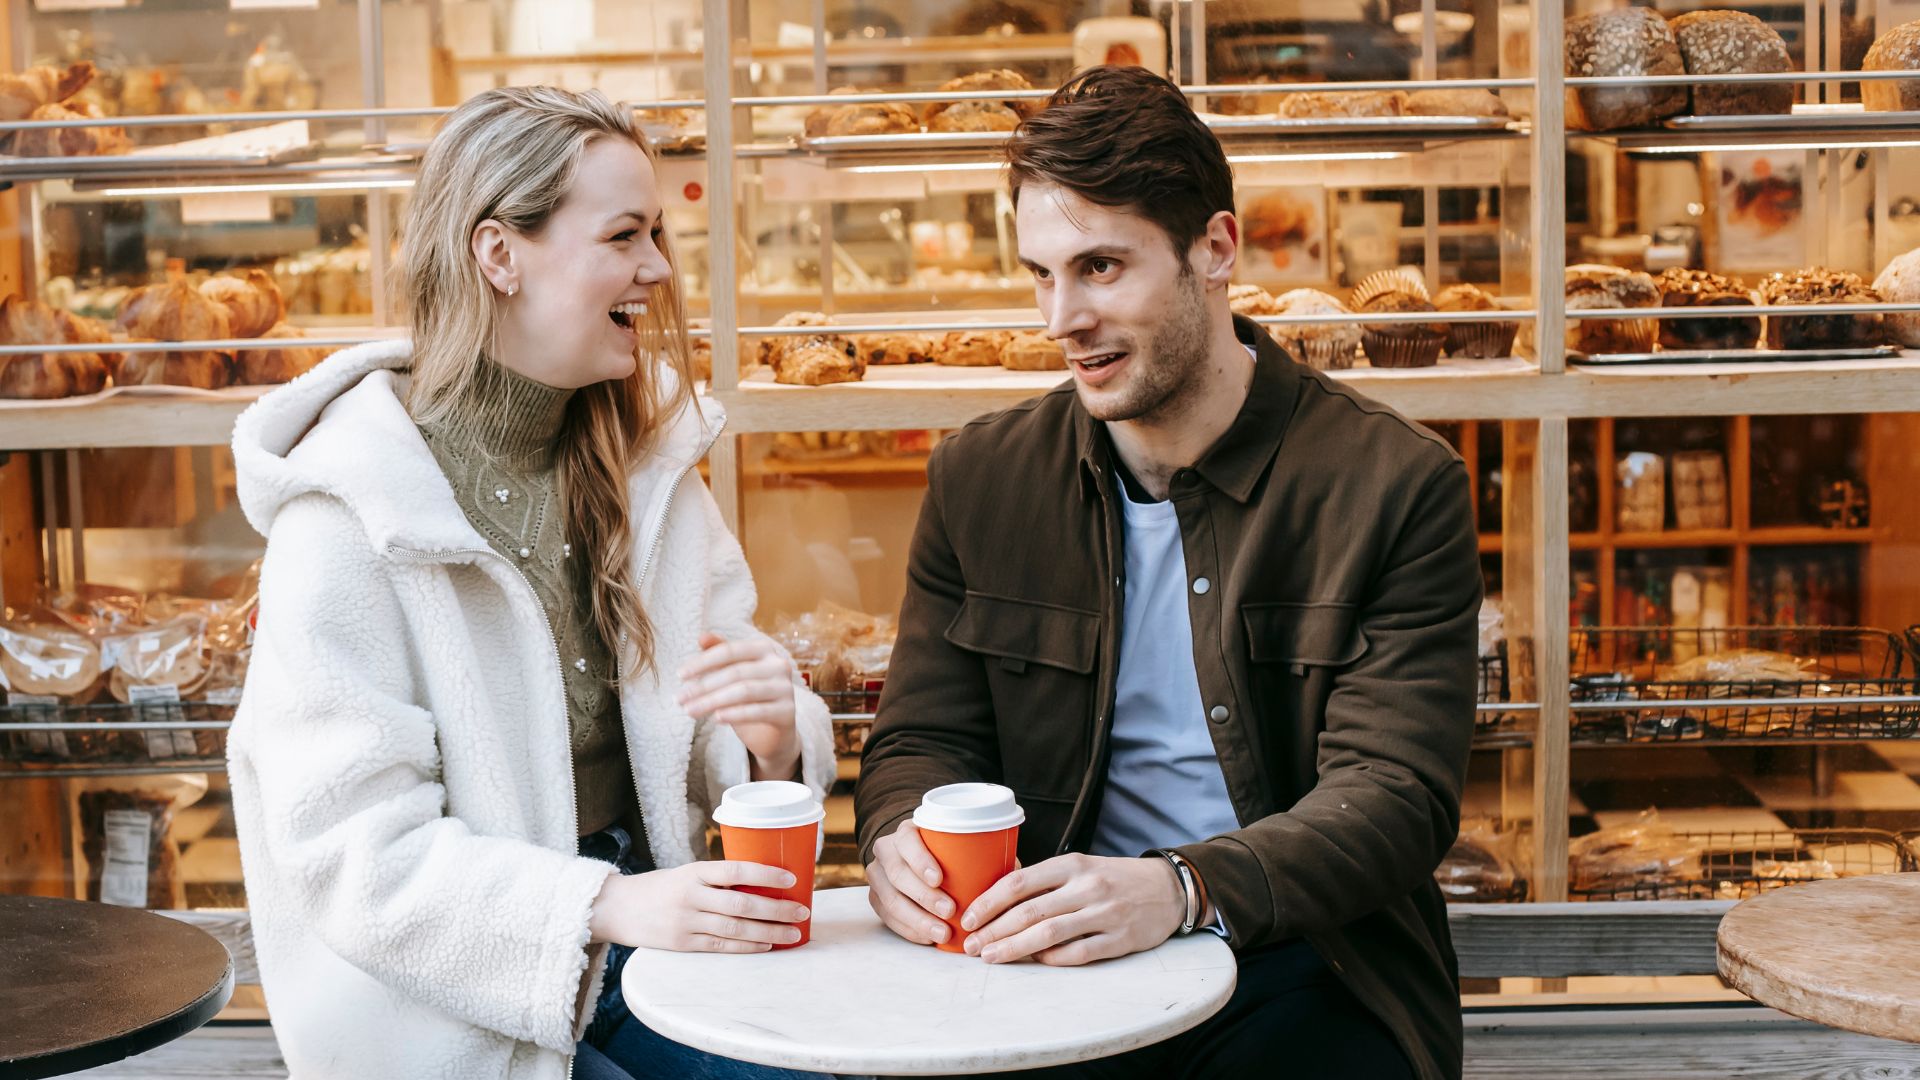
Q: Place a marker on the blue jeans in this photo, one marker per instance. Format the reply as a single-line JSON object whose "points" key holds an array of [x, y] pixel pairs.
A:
{"points": [[618, 1046]]}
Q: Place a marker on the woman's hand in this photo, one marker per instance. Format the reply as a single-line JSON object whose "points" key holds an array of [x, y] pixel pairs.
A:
{"points": [[692, 909], [748, 686]]}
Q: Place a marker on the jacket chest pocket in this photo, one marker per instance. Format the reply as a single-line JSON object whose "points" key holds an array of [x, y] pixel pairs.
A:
{"points": [[1039, 660], [1295, 649]]}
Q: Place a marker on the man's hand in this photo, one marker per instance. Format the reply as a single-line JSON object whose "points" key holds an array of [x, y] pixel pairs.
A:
{"points": [[1073, 909], [903, 885]]}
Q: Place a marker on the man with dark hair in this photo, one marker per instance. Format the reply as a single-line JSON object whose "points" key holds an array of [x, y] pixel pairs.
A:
{"points": [[1209, 613]]}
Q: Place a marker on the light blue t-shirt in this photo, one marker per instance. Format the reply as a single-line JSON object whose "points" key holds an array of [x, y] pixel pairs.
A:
{"points": [[1164, 784]]}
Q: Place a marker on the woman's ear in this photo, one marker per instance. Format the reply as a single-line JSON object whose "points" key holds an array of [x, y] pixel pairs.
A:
{"points": [[493, 249]]}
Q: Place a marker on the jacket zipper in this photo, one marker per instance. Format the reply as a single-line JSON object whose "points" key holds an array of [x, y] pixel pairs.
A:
{"points": [[553, 643], [653, 549]]}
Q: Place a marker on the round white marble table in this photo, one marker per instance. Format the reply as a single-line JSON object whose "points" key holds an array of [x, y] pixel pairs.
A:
{"points": [[858, 999], [1841, 953]]}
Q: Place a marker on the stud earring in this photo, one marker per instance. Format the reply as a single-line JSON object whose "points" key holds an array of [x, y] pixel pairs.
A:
{"points": [[513, 288]]}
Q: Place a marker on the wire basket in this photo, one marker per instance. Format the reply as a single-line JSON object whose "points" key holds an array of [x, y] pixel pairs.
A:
{"points": [[1800, 683], [117, 746], [1742, 864]]}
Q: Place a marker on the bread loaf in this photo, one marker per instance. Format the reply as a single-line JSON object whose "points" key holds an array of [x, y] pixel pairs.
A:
{"points": [[1593, 286], [1630, 41], [1899, 283], [986, 115], [1455, 103], [48, 375], [1819, 285], [1733, 43], [1343, 104], [1896, 50], [866, 118], [972, 348]]}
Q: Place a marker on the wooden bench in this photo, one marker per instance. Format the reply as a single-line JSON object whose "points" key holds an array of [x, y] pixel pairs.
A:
{"points": [[1638, 938]]}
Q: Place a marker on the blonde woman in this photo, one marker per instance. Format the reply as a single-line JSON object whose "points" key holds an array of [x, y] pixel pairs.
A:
{"points": [[506, 661]]}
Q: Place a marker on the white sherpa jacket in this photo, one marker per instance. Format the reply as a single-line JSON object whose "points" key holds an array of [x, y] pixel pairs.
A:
{"points": [[400, 762]]}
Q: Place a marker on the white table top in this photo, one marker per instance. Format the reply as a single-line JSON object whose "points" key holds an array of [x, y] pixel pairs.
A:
{"points": [[858, 999]]}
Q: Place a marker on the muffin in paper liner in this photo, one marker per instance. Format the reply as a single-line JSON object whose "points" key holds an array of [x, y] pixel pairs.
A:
{"points": [[1322, 354], [1481, 340], [1418, 349], [1400, 279], [1475, 340]]}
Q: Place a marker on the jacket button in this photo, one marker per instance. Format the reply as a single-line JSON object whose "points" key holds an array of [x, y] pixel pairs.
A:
{"points": [[1201, 585], [1219, 714], [526, 553]]}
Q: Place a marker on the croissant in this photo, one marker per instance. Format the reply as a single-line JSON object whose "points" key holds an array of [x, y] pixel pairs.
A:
{"points": [[175, 311], [253, 303], [253, 367], [21, 94], [48, 375], [70, 142], [201, 369]]}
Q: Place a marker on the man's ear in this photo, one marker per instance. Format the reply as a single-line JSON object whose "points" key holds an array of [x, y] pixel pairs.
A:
{"points": [[492, 245], [1218, 249]]}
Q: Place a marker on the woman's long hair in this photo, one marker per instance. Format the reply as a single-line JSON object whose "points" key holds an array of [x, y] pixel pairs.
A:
{"points": [[511, 155]]}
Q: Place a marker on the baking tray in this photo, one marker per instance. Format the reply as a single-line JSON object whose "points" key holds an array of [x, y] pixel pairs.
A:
{"points": [[1424, 126], [908, 140], [1824, 117], [1226, 126], [1733, 356]]}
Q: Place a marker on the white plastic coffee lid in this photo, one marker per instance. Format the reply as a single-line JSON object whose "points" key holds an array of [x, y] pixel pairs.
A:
{"points": [[768, 804], [968, 808]]}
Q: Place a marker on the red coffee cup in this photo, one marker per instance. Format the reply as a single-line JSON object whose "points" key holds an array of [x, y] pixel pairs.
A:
{"points": [[972, 831], [774, 823]]}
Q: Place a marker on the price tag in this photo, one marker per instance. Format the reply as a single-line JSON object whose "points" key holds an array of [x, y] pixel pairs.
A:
{"points": [[123, 880], [41, 709]]}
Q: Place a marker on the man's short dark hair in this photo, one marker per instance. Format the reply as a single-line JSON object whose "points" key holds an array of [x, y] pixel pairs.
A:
{"points": [[1125, 138]]}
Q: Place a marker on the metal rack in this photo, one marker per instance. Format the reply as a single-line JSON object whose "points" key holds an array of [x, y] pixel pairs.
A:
{"points": [[1739, 865]]}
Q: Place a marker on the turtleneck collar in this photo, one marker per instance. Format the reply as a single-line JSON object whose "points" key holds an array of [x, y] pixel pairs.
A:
{"points": [[508, 417]]}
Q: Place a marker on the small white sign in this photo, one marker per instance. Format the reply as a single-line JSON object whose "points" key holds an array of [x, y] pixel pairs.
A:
{"points": [[123, 880], [77, 5], [250, 206], [274, 5]]}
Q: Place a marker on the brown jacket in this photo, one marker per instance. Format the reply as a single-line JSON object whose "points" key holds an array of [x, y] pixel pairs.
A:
{"points": [[1335, 645]]}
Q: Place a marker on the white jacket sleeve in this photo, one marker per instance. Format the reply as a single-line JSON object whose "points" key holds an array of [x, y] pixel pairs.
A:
{"points": [[351, 813], [731, 602]]}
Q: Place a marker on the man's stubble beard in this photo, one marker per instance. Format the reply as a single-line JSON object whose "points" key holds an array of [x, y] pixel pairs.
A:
{"points": [[1161, 390]]}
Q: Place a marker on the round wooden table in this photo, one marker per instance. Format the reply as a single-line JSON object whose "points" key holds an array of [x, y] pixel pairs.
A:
{"points": [[858, 999], [87, 984], [1842, 953]]}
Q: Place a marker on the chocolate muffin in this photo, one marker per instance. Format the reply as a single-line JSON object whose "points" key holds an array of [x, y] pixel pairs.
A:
{"points": [[1401, 344]]}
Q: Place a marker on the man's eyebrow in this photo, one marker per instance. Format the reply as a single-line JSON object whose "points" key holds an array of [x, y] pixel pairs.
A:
{"points": [[1098, 251]]}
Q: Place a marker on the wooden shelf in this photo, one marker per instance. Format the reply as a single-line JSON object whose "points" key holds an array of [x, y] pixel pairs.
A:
{"points": [[933, 396], [1776, 536]]}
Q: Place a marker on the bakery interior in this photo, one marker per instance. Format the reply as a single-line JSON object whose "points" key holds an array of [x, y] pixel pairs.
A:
{"points": [[1685, 508]]}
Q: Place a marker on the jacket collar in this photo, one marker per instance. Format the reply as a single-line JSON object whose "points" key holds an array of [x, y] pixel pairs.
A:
{"points": [[1236, 462], [343, 430]]}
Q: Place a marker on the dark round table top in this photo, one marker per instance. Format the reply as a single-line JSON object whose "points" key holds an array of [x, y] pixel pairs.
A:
{"points": [[88, 984]]}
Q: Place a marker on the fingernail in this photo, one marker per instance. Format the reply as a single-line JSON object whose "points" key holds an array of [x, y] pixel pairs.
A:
{"points": [[790, 937], [940, 932], [933, 877], [944, 910], [803, 916], [968, 922], [787, 882], [992, 956]]}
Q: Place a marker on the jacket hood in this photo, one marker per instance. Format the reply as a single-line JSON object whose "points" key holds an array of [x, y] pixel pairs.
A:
{"points": [[343, 430]]}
